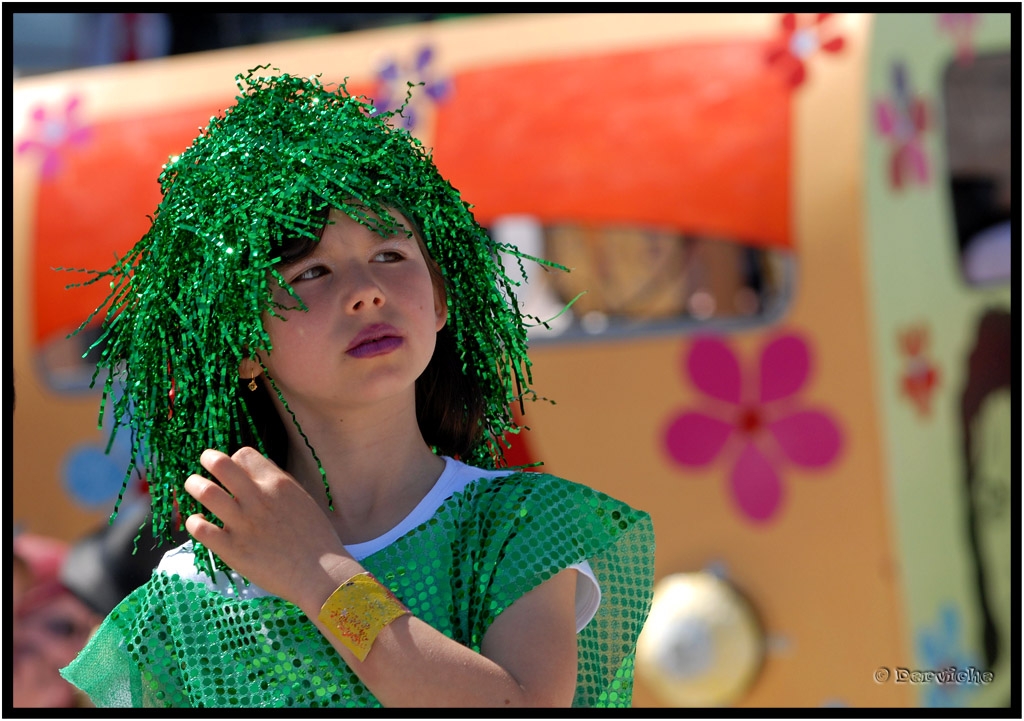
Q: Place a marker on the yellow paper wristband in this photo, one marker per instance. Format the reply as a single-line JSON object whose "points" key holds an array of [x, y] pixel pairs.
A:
{"points": [[359, 610]]}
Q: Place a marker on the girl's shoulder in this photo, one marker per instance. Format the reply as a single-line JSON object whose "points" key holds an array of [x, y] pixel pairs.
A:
{"points": [[463, 476], [523, 486], [520, 499]]}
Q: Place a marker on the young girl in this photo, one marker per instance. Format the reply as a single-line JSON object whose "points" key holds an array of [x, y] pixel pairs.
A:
{"points": [[318, 349]]}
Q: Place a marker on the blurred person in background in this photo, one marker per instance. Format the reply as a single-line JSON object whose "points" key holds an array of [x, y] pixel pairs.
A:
{"points": [[62, 592], [51, 625], [21, 579], [104, 567]]}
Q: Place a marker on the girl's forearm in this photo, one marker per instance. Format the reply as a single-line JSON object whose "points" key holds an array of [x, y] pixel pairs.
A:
{"points": [[410, 663]]}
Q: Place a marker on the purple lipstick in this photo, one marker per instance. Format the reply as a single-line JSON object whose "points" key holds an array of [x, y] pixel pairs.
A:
{"points": [[374, 340]]}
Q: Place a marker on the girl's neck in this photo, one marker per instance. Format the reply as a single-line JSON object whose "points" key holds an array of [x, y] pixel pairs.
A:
{"points": [[378, 467]]}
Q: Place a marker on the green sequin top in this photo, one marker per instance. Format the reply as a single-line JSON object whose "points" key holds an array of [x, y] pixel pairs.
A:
{"points": [[175, 642]]}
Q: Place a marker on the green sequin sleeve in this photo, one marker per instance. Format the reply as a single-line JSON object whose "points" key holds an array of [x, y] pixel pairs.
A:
{"points": [[118, 670], [176, 643], [535, 526]]}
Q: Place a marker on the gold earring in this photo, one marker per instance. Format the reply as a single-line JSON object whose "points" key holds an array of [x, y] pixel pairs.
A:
{"points": [[252, 382]]}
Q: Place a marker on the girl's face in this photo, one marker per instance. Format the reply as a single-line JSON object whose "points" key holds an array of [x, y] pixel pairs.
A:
{"points": [[371, 326]]}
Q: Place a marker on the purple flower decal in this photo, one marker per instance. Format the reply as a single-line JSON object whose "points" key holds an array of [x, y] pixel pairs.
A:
{"points": [[51, 134], [903, 119], [756, 423], [393, 86]]}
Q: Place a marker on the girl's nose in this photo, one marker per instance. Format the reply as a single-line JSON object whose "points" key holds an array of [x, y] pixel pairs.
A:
{"points": [[366, 293], [376, 299]]}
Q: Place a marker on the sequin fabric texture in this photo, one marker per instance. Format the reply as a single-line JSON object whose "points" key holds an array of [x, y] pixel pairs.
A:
{"points": [[175, 643]]}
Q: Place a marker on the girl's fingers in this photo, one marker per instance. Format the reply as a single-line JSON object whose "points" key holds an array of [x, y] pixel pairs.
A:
{"points": [[209, 534], [231, 475], [212, 497], [254, 463]]}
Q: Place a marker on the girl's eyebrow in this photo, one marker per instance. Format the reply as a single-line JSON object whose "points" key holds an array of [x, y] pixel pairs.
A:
{"points": [[401, 226], [400, 232]]}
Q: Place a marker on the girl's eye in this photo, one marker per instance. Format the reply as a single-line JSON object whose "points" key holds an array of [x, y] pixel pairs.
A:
{"points": [[388, 256], [310, 273]]}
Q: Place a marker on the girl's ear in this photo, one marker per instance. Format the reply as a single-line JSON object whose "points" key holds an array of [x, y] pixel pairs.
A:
{"points": [[249, 369], [440, 309]]}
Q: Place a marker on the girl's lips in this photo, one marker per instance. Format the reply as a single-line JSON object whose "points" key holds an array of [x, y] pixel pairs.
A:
{"points": [[380, 346], [375, 339]]}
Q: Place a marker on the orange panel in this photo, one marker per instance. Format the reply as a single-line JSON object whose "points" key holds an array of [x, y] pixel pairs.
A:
{"points": [[693, 137], [96, 207]]}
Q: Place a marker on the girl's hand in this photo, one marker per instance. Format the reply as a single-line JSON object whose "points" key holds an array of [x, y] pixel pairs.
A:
{"points": [[274, 533]]}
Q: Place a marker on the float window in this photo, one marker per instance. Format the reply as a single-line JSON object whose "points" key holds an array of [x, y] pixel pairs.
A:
{"points": [[979, 147], [644, 280]]}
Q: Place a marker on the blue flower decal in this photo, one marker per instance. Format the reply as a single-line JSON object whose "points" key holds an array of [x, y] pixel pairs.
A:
{"points": [[91, 476], [940, 647]]}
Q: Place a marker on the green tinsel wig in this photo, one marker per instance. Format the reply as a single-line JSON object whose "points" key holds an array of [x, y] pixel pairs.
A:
{"points": [[187, 301]]}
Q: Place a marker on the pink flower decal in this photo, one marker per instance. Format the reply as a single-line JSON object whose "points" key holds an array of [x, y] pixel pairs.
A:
{"points": [[798, 40], [903, 119], [961, 27], [52, 134], [755, 423]]}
